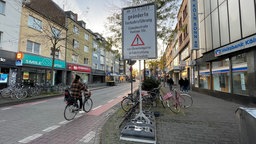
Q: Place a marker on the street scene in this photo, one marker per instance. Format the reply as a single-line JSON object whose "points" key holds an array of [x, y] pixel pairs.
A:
{"points": [[128, 72]]}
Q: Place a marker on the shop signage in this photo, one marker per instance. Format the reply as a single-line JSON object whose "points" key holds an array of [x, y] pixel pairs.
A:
{"points": [[139, 32], [194, 25], [242, 44], [42, 61], [3, 78], [75, 67]]}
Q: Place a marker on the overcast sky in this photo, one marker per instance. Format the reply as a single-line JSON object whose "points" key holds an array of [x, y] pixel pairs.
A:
{"points": [[92, 12]]}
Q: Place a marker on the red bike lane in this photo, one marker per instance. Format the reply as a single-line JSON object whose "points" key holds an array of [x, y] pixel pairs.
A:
{"points": [[85, 128]]}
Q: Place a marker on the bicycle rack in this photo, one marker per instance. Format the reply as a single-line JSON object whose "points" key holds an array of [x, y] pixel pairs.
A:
{"points": [[142, 128]]}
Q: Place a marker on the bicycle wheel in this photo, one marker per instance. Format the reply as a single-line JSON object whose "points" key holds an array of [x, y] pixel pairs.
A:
{"points": [[173, 105], [70, 112], [187, 100], [126, 104], [161, 100], [87, 105]]}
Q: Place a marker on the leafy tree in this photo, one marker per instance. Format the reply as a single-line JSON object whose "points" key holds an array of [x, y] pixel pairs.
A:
{"points": [[166, 15]]}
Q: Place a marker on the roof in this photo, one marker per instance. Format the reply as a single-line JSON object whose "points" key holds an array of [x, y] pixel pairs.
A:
{"points": [[48, 9]]}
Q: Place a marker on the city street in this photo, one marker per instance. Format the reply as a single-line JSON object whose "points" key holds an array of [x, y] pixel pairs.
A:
{"points": [[24, 123]]}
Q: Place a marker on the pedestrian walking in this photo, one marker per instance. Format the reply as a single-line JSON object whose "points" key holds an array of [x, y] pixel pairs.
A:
{"points": [[76, 90], [181, 83], [186, 85], [170, 83]]}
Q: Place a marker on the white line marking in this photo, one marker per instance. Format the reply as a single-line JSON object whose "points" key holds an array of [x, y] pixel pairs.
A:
{"points": [[78, 116], [7, 108], [2, 121], [87, 138], [97, 107], [110, 101], [30, 138], [51, 128], [34, 103], [64, 122]]}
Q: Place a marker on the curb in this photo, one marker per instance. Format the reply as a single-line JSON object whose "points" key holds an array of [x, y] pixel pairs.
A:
{"points": [[36, 98]]}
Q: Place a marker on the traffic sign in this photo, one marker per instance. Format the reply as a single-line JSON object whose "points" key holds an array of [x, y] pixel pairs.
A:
{"points": [[139, 32]]}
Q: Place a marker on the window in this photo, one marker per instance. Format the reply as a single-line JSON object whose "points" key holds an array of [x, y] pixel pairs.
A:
{"points": [[101, 60], [95, 66], [1, 37], [75, 44], [86, 49], [34, 23], [204, 76], [180, 39], [75, 58], [185, 31], [86, 61], [221, 75], [95, 56], [240, 74], [86, 36], [75, 30], [55, 32], [33, 47], [57, 54], [2, 7]]}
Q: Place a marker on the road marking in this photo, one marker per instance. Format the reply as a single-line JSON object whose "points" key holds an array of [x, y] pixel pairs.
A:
{"points": [[97, 107], [51, 128], [87, 138], [2, 121], [34, 103], [7, 108], [30, 138], [64, 122], [110, 101]]}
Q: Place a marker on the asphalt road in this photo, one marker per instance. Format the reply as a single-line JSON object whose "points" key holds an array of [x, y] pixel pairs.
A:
{"points": [[32, 122]]}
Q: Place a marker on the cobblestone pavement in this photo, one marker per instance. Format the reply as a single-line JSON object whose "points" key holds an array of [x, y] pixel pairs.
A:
{"points": [[209, 121]]}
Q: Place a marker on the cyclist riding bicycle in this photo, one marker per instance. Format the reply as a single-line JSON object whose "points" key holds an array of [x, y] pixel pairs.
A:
{"points": [[76, 91]]}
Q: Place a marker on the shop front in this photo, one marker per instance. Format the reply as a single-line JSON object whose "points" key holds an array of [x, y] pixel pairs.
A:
{"points": [[228, 71], [83, 71], [98, 76], [8, 70], [35, 69]]}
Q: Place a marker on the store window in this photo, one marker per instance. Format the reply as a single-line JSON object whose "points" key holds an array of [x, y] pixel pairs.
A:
{"points": [[204, 76], [239, 73], [221, 76]]}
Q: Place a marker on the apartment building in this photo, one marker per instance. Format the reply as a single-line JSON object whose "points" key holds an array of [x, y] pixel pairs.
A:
{"points": [[227, 62], [42, 35], [9, 37], [79, 49], [178, 51]]}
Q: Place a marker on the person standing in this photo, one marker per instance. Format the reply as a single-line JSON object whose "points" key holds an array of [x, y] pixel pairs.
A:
{"points": [[186, 85], [181, 83], [170, 83], [76, 91]]}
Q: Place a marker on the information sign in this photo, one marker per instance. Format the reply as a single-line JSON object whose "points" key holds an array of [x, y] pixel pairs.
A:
{"points": [[139, 32]]}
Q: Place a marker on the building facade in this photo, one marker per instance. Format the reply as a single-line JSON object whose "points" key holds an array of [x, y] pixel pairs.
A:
{"points": [[226, 62], [79, 49], [9, 37], [42, 35]]}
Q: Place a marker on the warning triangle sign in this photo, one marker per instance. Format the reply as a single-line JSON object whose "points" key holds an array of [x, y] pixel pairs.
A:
{"points": [[137, 41]]}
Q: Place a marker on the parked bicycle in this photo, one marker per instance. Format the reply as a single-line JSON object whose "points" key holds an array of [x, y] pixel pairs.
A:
{"points": [[148, 99], [72, 107], [175, 100]]}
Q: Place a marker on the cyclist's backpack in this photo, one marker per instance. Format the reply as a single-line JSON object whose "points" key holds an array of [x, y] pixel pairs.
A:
{"points": [[68, 98]]}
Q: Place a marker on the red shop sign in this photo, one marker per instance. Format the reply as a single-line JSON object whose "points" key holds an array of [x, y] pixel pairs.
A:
{"points": [[74, 67]]}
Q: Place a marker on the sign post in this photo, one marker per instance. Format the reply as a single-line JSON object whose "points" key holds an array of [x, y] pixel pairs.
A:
{"points": [[139, 38]]}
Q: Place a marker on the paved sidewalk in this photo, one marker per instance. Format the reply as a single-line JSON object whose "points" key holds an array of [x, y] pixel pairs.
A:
{"points": [[209, 121]]}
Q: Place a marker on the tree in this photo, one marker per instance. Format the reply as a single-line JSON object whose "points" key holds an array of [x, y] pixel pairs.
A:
{"points": [[153, 65], [166, 15]]}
